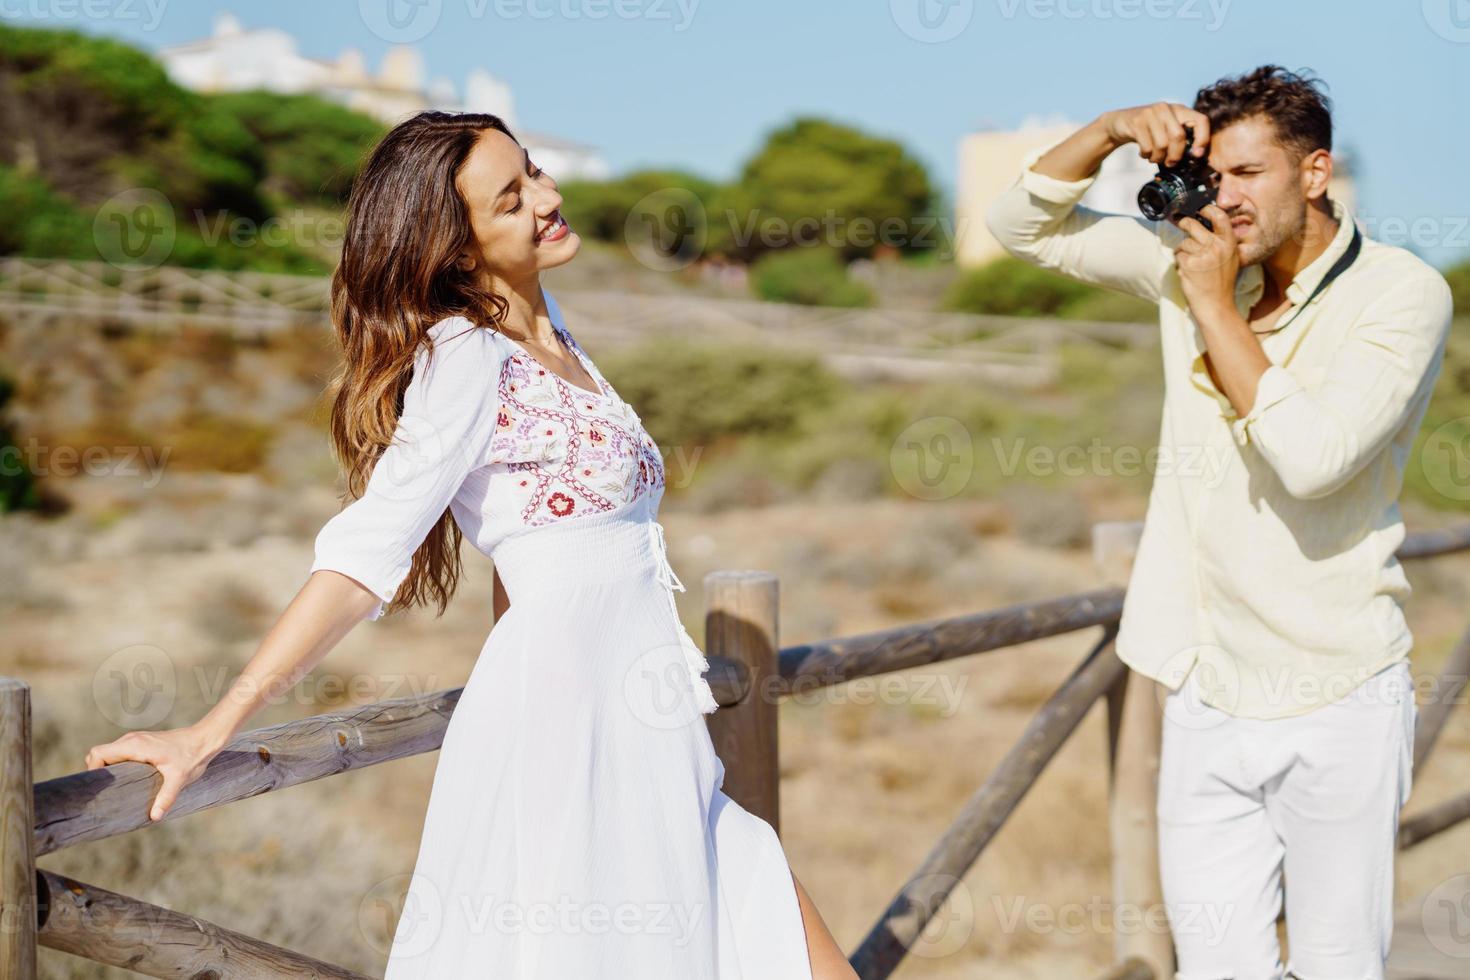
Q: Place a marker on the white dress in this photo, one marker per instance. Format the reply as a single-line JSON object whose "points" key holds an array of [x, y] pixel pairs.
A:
{"points": [[576, 827]]}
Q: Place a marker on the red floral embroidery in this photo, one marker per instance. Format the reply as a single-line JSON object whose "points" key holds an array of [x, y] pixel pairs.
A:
{"points": [[502, 420], [575, 459]]}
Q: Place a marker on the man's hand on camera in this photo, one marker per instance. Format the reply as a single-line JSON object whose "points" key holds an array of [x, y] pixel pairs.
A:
{"points": [[1208, 263], [1158, 130]]}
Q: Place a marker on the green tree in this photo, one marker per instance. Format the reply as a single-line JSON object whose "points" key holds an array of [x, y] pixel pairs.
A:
{"points": [[652, 205], [822, 179], [313, 148], [94, 116]]}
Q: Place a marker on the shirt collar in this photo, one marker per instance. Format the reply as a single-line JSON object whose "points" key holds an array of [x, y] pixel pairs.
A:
{"points": [[1306, 280]]}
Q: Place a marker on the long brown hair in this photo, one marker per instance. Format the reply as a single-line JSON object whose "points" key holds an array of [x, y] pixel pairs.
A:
{"points": [[406, 225]]}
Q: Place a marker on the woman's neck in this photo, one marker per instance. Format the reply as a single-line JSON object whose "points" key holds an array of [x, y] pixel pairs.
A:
{"points": [[526, 317]]}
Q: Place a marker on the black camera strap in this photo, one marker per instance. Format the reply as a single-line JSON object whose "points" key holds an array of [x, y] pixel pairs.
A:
{"points": [[1338, 268]]}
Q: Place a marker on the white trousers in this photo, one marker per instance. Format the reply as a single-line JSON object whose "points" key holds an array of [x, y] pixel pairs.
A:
{"points": [[1314, 796]]}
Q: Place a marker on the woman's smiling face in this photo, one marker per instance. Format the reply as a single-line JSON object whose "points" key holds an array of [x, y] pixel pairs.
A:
{"points": [[514, 210]]}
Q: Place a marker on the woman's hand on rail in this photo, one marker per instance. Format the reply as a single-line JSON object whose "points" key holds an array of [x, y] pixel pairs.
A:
{"points": [[180, 755]]}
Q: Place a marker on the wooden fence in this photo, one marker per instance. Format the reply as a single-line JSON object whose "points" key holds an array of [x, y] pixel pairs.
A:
{"points": [[749, 673], [914, 345]]}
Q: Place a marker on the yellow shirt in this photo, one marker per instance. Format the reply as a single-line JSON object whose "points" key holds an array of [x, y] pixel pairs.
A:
{"points": [[1267, 555]]}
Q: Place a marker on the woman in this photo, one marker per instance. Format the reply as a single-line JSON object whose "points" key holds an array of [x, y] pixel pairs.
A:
{"points": [[576, 826]]}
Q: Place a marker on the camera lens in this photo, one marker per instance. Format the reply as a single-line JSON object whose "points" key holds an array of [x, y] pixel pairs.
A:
{"points": [[1158, 199]]}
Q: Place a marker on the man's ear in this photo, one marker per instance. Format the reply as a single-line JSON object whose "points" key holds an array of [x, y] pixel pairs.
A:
{"points": [[1316, 174]]}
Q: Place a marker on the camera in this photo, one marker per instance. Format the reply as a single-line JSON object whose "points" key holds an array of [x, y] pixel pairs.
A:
{"points": [[1179, 191]]}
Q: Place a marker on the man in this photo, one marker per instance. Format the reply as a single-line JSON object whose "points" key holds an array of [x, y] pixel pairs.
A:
{"points": [[1265, 594]]}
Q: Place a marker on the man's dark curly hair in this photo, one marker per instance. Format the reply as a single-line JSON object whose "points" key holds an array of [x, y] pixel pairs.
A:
{"points": [[1296, 106]]}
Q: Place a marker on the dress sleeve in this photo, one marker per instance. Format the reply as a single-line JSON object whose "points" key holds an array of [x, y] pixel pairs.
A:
{"points": [[445, 431]]}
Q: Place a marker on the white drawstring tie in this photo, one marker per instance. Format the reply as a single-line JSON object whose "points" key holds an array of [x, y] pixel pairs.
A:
{"points": [[693, 656], [666, 570]]}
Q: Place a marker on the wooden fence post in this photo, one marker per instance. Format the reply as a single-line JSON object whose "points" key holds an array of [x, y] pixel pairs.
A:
{"points": [[17, 834], [741, 622], [1135, 727]]}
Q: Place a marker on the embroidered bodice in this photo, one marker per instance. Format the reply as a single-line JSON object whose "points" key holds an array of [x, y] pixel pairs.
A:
{"points": [[500, 439]]}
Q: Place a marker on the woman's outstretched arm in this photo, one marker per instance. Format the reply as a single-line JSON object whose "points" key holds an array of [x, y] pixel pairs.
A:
{"points": [[326, 609], [362, 555]]}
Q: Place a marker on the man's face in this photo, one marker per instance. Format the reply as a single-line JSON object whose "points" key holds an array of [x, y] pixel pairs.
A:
{"points": [[1261, 188]]}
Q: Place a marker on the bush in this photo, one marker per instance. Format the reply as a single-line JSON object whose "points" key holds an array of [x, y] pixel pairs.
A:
{"points": [[1459, 280], [698, 395], [1008, 286], [810, 276], [18, 487], [40, 222]]}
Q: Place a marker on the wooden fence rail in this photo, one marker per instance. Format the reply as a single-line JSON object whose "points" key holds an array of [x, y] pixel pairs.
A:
{"points": [[915, 345], [749, 674]]}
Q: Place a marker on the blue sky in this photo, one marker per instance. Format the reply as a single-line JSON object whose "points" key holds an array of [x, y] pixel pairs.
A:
{"points": [[697, 83]]}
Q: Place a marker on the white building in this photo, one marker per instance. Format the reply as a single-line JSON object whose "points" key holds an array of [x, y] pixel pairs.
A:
{"points": [[234, 59]]}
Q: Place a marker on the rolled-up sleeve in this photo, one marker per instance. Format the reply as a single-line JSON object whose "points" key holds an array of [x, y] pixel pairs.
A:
{"points": [[445, 430], [1380, 379], [1038, 220]]}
